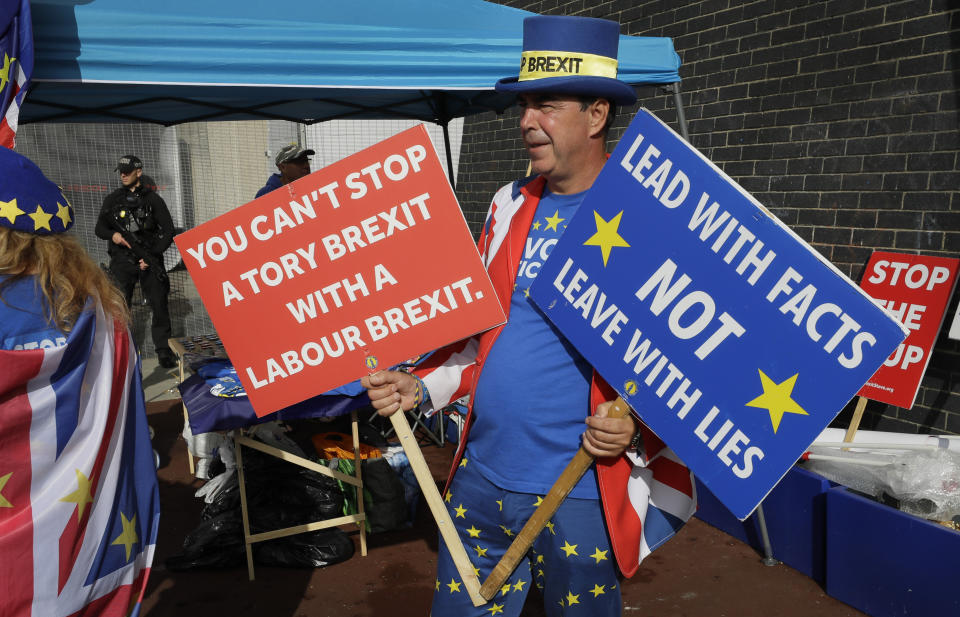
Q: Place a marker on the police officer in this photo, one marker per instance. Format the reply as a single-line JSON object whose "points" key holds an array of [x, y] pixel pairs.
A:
{"points": [[137, 224]]}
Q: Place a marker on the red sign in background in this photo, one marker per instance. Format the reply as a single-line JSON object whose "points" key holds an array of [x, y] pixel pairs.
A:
{"points": [[916, 290], [356, 267]]}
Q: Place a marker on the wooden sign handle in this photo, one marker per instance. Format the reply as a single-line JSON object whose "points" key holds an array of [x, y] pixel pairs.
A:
{"points": [[855, 420], [447, 531], [535, 524]]}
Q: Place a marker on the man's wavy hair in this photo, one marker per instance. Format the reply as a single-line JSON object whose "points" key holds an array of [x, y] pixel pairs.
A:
{"points": [[64, 272]]}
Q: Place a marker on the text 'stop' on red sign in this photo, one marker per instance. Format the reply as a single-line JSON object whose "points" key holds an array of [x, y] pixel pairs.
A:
{"points": [[916, 290]]}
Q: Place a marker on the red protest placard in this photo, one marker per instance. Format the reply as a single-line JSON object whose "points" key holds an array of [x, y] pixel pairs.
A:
{"points": [[916, 290], [358, 266]]}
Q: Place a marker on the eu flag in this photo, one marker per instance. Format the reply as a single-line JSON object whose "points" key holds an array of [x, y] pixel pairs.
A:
{"points": [[16, 64]]}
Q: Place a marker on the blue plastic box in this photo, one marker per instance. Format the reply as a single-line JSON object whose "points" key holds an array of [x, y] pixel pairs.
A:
{"points": [[795, 511], [888, 563]]}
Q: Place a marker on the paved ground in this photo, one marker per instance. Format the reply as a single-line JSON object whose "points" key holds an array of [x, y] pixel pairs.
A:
{"points": [[700, 573]]}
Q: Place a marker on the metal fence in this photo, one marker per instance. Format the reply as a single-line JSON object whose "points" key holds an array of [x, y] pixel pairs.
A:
{"points": [[201, 170]]}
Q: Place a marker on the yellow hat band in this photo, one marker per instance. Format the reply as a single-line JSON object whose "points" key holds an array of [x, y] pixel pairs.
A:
{"points": [[541, 64]]}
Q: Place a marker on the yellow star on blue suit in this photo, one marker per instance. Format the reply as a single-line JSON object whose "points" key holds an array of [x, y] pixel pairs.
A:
{"points": [[5, 71], [461, 511], [129, 536], [569, 549], [41, 219], [454, 586], [553, 221], [776, 399], [496, 609], [597, 590], [606, 237]]}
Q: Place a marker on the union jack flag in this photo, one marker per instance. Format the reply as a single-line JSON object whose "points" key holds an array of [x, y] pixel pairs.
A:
{"points": [[16, 64], [79, 503]]}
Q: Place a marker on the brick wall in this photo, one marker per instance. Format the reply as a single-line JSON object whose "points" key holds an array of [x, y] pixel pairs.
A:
{"points": [[839, 116]]}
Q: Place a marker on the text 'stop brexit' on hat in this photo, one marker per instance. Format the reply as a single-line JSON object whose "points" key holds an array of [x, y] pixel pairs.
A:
{"points": [[570, 55]]}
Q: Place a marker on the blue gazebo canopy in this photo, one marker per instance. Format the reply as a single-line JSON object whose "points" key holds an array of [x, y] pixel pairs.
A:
{"points": [[178, 61]]}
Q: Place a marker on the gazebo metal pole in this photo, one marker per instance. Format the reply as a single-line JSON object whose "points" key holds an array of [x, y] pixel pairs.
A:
{"points": [[678, 103], [446, 146]]}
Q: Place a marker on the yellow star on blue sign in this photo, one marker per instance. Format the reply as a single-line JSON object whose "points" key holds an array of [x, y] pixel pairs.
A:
{"points": [[776, 399], [606, 237]]}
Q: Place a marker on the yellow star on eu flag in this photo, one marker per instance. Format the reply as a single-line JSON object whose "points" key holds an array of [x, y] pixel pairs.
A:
{"points": [[461, 511], [776, 399], [606, 237], [453, 585], [5, 71], [129, 536], [496, 609], [569, 549], [82, 496], [3, 500], [473, 531], [572, 599], [597, 590]]}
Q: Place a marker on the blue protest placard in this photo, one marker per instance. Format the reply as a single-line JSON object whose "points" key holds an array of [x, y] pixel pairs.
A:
{"points": [[733, 340]]}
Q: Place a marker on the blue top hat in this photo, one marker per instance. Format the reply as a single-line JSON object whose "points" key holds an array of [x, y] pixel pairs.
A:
{"points": [[28, 200], [570, 55]]}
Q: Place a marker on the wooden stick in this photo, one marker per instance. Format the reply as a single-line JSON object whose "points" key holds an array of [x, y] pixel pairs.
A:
{"points": [[425, 479], [535, 524], [855, 420], [247, 544], [356, 467]]}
